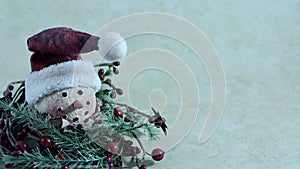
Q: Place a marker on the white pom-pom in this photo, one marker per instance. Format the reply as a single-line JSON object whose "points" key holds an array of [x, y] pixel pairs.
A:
{"points": [[112, 46]]}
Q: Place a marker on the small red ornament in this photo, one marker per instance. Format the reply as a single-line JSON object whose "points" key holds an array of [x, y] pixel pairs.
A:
{"points": [[157, 154], [45, 142], [118, 112]]}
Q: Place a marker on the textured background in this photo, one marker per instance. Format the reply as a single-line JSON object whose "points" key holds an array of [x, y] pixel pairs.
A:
{"points": [[258, 43]]}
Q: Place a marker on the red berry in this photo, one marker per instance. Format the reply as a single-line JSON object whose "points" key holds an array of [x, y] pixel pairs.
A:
{"points": [[7, 93], [45, 142], [118, 112], [116, 63], [10, 87], [119, 91], [101, 72], [143, 167], [8, 165], [115, 70], [15, 153], [157, 154], [113, 147], [101, 77], [22, 145]]}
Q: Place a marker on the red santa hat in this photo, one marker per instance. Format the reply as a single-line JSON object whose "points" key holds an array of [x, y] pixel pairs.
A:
{"points": [[56, 63]]}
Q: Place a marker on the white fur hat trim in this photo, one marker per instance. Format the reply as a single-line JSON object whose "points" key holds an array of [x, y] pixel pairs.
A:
{"points": [[60, 76]]}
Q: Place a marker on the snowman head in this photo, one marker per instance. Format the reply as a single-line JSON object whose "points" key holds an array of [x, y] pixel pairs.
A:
{"points": [[60, 82], [64, 90]]}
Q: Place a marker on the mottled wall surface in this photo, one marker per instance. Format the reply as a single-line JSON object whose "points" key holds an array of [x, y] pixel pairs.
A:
{"points": [[258, 44]]}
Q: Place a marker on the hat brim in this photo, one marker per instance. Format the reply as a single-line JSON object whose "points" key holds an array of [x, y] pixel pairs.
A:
{"points": [[60, 76]]}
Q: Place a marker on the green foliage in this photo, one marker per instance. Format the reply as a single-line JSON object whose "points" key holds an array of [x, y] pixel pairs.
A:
{"points": [[79, 148], [76, 148]]}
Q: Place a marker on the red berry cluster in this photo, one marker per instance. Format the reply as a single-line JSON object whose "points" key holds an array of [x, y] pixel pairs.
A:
{"points": [[21, 145], [114, 65], [158, 121], [8, 92], [115, 90]]}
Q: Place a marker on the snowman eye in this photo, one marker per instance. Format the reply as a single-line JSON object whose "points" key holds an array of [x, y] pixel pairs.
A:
{"points": [[80, 92], [64, 94], [75, 119]]}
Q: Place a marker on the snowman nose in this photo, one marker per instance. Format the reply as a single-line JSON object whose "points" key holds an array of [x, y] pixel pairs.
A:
{"points": [[77, 104], [74, 106]]}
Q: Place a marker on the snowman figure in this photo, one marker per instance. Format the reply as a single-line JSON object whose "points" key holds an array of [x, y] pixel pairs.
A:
{"points": [[61, 84]]}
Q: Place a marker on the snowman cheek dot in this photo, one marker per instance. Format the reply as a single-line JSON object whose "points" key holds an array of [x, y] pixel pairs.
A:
{"points": [[80, 92]]}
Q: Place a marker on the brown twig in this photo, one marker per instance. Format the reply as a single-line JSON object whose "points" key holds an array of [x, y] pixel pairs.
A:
{"points": [[102, 64], [136, 111]]}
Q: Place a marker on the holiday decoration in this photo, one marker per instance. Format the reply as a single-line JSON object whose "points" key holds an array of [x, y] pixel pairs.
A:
{"points": [[64, 114]]}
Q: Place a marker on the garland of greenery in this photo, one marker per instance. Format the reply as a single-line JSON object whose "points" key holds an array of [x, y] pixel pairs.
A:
{"points": [[28, 140]]}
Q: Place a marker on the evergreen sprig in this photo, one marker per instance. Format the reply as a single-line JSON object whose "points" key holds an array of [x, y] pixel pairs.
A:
{"points": [[84, 151], [78, 147]]}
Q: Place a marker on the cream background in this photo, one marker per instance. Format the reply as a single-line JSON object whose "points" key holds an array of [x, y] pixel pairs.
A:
{"points": [[257, 42]]}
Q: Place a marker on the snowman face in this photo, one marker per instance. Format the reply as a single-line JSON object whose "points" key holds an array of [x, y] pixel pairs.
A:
{"points": [[74, 104]]}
